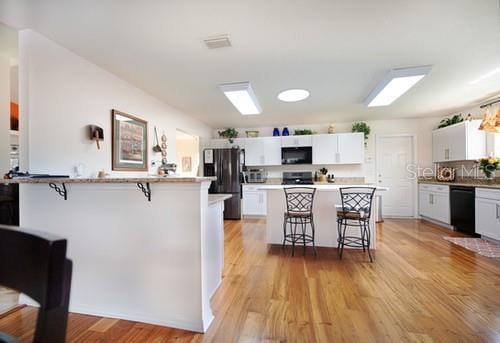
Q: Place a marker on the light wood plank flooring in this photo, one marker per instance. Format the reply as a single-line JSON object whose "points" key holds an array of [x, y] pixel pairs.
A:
{"points": [[420, 288]]}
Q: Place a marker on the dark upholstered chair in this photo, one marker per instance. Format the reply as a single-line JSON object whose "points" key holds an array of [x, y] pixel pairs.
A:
{"points": [[35, 264]]}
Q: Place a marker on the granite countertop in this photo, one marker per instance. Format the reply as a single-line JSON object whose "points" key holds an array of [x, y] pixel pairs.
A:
{"points": [[338, 181], [325, 186], [149, 179], [215, 198], [465, 181]]}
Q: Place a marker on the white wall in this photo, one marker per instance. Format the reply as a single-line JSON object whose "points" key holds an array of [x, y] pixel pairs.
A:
{"points": [[4, 115], [61, 93], [422, 128]]}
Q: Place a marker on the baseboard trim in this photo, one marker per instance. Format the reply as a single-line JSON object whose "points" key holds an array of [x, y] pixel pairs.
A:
{"points": [[436, 222], [177, 323]]}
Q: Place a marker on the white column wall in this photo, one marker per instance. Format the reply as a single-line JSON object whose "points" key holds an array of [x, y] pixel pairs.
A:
{"points": [[4, 115]]}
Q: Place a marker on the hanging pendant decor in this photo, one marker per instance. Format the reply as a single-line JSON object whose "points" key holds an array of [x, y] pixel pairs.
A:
{"points": [[491, 122]]}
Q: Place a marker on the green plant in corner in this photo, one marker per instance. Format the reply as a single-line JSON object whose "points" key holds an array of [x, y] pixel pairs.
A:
{"points": [[229, 133], [302, 132], [361, 127], [457, 118]]}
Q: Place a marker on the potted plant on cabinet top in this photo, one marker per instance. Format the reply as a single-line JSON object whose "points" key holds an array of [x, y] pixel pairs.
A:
{"points": [[229, 133], [361, 127], [457, 118]]}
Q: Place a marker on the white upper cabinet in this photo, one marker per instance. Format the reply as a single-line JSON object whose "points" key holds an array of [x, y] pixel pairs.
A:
{"points": [[351, 148], [459, 142], [325, 149], [296, 141], [342, 148], [263, 151], [493, 143]]}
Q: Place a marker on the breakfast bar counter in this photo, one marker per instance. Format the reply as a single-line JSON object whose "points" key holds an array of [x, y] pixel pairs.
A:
{"points": [[146, 249]]}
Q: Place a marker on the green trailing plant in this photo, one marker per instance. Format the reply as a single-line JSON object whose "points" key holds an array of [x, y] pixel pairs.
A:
{"points": [[323, 171], [302, 132], [361, 127], [457, 118], [229, 133]]}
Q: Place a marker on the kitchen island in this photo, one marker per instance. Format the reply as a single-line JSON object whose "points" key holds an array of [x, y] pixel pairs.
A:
{"points": [[144, 249], [325, 218]]}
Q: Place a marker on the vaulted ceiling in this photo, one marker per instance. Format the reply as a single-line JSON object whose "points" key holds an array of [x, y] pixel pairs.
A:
{"points": [[336, 49]]}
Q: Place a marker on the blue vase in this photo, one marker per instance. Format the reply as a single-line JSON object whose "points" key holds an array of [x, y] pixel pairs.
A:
{"points": [[276, 132], [285, 132]]}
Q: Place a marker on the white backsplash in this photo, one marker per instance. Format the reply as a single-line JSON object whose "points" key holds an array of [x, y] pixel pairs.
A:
{"points": [[355, 170]]}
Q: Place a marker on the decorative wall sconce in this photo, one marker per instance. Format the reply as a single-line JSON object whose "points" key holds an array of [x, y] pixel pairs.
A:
{"points": [[96, 134]]}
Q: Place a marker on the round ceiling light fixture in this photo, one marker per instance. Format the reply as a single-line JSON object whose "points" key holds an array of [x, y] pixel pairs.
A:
{"points": [[293, 95]]}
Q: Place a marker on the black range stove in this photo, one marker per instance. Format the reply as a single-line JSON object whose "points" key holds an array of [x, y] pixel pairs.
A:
{"points": [[297, 178]]}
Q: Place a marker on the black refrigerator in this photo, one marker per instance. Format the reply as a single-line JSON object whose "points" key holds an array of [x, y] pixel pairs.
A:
{"points": [[227, 165]]}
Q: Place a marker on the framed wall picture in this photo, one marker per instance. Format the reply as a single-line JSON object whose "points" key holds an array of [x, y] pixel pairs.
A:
{"points": [[129, 142], [187, 165]]}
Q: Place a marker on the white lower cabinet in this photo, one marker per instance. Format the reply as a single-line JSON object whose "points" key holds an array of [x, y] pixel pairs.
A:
{"points": [[254, 201], [488, 212], [434, 202]]}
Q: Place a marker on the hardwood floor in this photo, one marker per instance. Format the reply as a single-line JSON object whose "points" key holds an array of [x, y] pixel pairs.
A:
{"points": [[420, 288]]}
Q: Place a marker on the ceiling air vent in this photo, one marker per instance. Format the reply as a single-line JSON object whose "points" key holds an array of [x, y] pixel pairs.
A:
{"points": [[217, 42]]}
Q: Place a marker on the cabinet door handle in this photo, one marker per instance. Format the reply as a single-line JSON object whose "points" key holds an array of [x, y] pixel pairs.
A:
{"points": [[498, 211], [446, 154], [337, 157]]}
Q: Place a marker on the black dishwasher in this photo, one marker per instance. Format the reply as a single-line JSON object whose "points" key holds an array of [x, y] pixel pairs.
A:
{"points": [[462, 206]]}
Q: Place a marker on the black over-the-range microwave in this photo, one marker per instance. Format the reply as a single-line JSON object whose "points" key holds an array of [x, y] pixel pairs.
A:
{"points": [[296, 155]]}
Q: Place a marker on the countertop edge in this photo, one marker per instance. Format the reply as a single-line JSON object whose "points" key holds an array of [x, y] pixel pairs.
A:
{"points": [[215, 198], [460, 184], [151, 179], [320, 187]]}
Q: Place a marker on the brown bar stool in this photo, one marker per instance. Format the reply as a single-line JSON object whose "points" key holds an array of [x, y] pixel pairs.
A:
{"points": [[299, 204], [355, 212]]}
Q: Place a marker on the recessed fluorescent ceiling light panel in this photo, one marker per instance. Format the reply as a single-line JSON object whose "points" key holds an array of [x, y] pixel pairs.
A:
{"points": [[486, 76], [395, 83], [242, 97], [293, 95]]}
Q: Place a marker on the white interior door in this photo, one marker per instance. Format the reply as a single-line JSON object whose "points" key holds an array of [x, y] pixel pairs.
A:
{"points": [[394, 154]]}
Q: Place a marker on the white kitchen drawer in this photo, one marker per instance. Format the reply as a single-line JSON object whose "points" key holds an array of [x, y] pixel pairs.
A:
{"points": [[251, 187], [430, 187], [488, 193]]}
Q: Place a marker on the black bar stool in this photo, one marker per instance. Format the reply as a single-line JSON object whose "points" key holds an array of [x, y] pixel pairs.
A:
{"points": [[35, 263], [355, 212], [299, 203]]}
